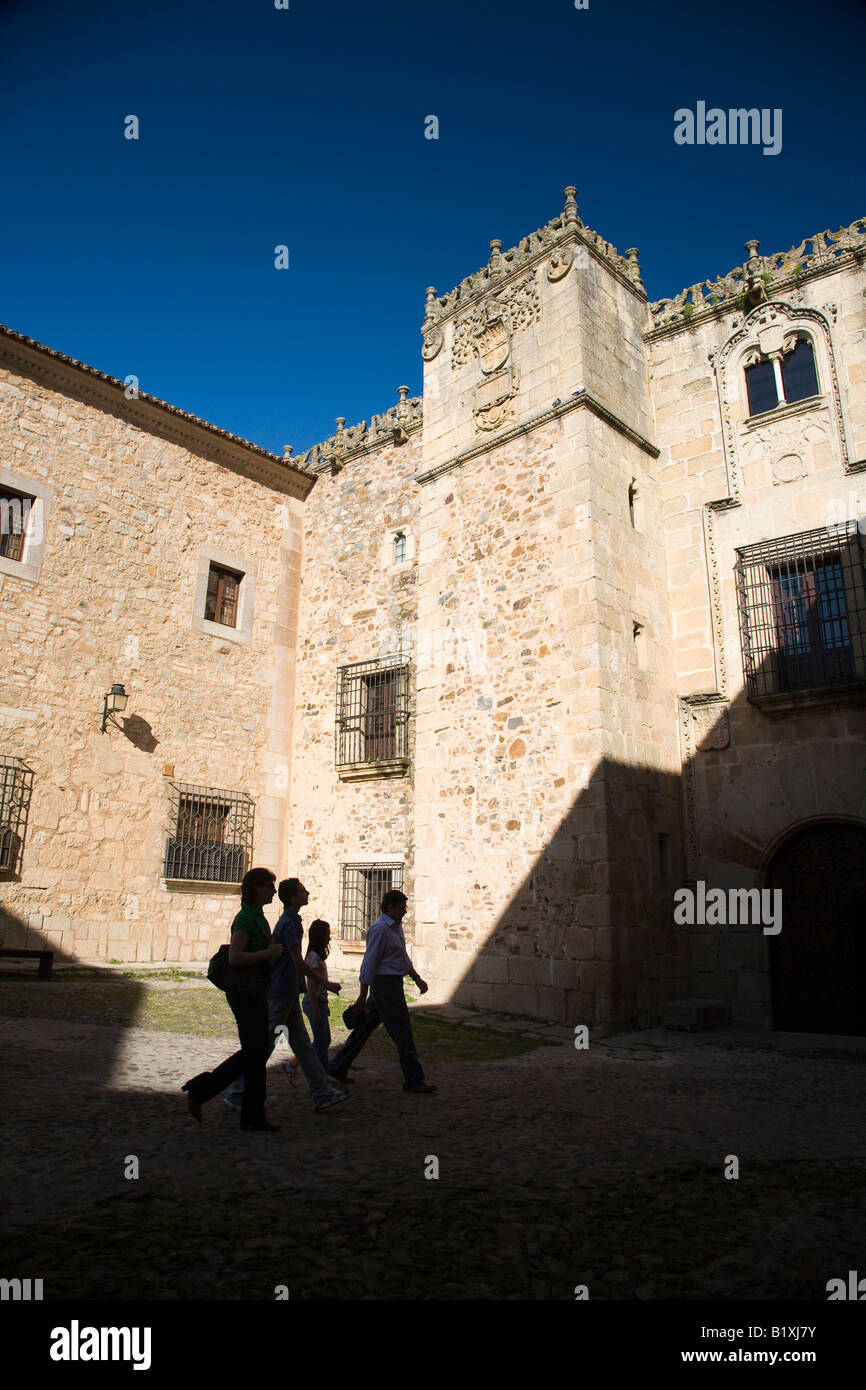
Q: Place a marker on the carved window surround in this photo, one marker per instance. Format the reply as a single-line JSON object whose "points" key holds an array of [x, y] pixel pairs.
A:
{"points": [[768, 321], [704, 726]]}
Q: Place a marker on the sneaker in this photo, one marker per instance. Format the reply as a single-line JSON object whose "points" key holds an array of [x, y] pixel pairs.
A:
{"points": [[420, 1088], [233, 1104], [333, 1099]]}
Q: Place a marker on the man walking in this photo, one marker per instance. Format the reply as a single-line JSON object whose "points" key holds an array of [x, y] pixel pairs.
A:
{"points": [[382, 969], [284, 1009]]}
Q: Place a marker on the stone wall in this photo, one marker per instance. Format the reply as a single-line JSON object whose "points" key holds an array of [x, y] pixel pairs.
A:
{"points": [[356, 605], [129, 514], [751, 776]]}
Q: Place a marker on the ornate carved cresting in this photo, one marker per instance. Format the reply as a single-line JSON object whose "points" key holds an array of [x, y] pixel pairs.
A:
{"points": [[392, 427], [546, 243], [762, 277]]}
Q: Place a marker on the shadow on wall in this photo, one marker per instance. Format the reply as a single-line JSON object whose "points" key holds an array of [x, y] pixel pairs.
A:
{"points": [[589, 936], [775, 800]]}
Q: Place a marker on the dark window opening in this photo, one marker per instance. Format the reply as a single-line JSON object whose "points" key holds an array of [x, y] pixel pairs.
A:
{"points": [[14, 515], [221, 603], [799, 377], [210, 837], [362, 887], [761, 387], [372, 712], [802, 605], [16, 785]]}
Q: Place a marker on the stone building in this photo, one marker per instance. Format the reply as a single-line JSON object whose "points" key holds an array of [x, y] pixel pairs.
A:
{"points": [[580, 627]]}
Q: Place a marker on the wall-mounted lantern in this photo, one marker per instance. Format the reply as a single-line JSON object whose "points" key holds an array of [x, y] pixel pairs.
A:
{"points": [[115, 703]]}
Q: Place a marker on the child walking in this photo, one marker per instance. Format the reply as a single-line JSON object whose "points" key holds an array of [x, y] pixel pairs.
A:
{"points": [[315, 1004]]}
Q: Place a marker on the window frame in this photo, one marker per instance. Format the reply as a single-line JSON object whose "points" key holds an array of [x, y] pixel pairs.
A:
{"points": [[208, 559], [40, 495], [188, 857], [777, 362], [372, 893], [372, 742], [16, 788], [779, 671]]}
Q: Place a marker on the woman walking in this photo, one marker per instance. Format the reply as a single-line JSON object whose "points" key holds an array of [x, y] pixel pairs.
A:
{"points": [[251, 949]]}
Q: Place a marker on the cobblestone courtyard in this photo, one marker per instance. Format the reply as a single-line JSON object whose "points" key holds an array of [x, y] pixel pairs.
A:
{"points": [[557, 1167]]}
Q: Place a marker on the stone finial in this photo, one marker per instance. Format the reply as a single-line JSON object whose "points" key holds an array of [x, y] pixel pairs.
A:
{"points": [[756, 290], [287, 451], [571, 217], [634, 264], [495, 255], [431, 300], [402, 407]]}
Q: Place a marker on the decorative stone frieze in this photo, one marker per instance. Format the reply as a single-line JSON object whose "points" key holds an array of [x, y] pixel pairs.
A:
{"points": [[392, 427], [762, 276], [547, 243]]}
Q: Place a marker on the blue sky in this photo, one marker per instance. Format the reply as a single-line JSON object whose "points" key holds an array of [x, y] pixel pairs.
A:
{"points": [[261, 127]]}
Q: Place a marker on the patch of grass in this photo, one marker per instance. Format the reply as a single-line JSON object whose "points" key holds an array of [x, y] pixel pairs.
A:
{"points": [[129, 1002]]}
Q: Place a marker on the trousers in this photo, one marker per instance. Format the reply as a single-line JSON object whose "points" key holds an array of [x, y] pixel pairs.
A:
{"points": [[285, 1012], [251, 1016], [386, 1003]]}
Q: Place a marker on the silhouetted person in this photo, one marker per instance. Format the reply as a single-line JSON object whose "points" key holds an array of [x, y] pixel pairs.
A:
{"points": [[315, 1004], [382, 969], [284, 1004], [251, 948]]}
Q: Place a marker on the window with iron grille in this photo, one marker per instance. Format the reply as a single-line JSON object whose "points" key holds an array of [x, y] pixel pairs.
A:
{"points": [[362, 888], [802, 611], [221, 603], [783, 381], [372, 712], [16, 783], [14, 514], [210, 836]]}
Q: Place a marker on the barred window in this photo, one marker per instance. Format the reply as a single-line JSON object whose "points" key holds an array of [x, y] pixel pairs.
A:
{"points": [[221, 603], [372, 712], [14, 515], [362, 888], [210, 836], [802, 611], [16, 783]]}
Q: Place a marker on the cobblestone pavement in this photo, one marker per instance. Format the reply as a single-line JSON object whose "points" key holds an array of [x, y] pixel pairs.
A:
{"points": [[557, 1167]]}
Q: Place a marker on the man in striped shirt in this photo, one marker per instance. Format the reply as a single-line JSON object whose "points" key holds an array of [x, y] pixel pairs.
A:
{"points": [[382, 969]]}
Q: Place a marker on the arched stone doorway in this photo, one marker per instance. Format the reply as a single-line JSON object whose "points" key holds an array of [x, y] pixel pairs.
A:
{"points": [[818, 960]]}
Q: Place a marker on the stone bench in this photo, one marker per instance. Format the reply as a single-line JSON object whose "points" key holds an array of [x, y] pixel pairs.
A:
{"points": [[46, 959]]}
